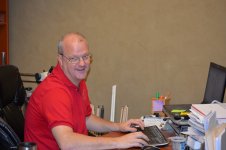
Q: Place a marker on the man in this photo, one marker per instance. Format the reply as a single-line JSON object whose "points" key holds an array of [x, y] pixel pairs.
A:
{"points": [[59, 116]]}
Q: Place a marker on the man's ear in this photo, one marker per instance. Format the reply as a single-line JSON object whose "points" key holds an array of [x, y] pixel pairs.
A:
{"points": [[59, 58]]}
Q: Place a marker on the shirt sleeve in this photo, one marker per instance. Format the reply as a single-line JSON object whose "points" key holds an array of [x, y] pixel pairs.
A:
{"points": [[57, 108]]}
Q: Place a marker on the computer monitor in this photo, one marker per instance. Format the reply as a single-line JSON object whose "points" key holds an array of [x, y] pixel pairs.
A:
{"points": [[216, 82]]}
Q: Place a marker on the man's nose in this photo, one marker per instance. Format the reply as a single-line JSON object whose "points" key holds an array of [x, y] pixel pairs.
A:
{"points": [[81, 61]]}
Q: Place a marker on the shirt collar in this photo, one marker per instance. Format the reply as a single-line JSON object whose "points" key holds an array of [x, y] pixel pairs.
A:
{"points": [[58, 72]]}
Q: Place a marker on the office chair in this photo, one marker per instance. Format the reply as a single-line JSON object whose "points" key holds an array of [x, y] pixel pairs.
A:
{"points": [[8, 138], [12, 97], [216, 82]]}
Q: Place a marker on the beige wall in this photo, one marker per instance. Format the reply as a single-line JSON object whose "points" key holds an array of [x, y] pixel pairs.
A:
{"points": [[142, 46]]}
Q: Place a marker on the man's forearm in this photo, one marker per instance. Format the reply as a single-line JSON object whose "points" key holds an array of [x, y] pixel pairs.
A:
{"points": [[95, 123], [70, 140]]}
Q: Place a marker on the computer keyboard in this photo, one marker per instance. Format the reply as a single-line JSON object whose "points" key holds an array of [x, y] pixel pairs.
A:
{"points": [[156, 138]]}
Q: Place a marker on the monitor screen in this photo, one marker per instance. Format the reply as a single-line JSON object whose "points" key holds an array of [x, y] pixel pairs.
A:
{"points": [[215, 86]]}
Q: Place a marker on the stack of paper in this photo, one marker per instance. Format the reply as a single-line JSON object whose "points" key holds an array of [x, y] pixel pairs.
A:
{"points": [[202, 119], [201, 111], [196, 132], [151, 120]]}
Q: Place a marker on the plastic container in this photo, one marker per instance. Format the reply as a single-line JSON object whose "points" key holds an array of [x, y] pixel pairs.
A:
{"points": [[178, 143]]}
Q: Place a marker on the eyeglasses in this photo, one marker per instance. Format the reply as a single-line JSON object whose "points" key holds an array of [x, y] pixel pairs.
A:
{"points": [[76, 60]]}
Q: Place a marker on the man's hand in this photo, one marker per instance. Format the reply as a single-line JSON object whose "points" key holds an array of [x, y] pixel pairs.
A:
{"points": [[129, 125], [135, 139]]}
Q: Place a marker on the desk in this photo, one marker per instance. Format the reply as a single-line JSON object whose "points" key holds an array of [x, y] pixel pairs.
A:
{"points": [[167, 133]]}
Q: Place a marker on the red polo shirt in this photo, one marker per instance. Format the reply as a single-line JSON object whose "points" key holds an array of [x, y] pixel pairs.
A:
{"points": [[56, 101]]}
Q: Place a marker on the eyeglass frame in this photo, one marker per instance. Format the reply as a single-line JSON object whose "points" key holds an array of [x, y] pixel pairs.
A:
{"points": [[75, 60]]}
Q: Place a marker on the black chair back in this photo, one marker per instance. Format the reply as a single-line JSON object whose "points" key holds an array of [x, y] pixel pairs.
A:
{"points": [[11, 86], [12, 97]]}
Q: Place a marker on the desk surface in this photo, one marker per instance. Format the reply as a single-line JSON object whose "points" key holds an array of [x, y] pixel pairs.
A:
{"points": [[168, 133]]}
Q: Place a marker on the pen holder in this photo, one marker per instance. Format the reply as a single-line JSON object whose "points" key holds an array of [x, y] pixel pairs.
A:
{"points": [[157, 103]]}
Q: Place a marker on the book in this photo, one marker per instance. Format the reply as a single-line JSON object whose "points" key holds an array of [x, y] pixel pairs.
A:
{"points": [[201, 111]]}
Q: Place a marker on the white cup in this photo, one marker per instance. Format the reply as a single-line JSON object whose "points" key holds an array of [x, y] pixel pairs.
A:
{"points": [[178, 143]]}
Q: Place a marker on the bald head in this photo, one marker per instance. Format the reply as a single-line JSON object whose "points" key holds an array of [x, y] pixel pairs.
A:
{"points": [[69, 38], [73, 57]]}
